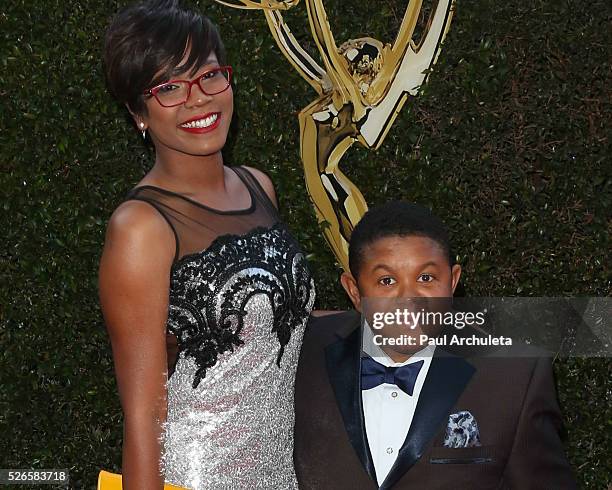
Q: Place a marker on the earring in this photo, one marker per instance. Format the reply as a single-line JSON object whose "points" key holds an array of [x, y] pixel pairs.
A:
{"points": [[143, 131]]}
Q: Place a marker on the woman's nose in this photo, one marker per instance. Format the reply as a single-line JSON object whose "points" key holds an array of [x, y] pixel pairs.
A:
{"points": [[197, 97]]}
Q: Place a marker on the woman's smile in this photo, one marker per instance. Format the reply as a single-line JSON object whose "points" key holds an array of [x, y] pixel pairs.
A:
{"points": [[203, 123]]}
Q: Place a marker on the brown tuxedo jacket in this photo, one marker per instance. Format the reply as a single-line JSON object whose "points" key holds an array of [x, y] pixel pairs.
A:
{"points": [[512, 399]]}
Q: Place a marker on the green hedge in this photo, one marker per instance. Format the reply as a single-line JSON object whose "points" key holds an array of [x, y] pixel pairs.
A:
{"points": [[509, 143]]}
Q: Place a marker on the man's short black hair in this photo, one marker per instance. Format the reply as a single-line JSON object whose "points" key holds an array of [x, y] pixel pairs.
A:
{"points": [[395, 218], [147, 41]]}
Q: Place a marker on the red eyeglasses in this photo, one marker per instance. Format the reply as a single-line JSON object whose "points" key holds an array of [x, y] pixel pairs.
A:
{"points": [[176, 92]]}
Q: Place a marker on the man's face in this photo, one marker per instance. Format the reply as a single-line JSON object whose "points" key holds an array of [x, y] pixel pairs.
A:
{"points": [[401, 270], [406, 267]]}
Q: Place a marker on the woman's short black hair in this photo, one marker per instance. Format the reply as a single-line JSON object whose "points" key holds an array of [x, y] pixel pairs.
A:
{"points": [[146, 42], [395, 218]]}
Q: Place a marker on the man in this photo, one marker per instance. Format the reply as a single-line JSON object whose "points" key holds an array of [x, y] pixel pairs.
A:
{"points": [[396, 417]]}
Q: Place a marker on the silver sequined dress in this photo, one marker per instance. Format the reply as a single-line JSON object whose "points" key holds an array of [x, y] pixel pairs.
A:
{"points": [[240, 295]]}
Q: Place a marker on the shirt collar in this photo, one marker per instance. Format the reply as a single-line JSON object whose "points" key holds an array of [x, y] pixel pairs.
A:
{"points": [[369, 348]]}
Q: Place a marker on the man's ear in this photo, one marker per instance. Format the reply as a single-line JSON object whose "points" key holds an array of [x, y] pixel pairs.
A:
{"points": [[455, 275], [350, 286]]}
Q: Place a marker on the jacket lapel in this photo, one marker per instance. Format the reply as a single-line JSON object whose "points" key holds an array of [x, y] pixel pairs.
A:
{"points": [[343, 358], [446, 379]]}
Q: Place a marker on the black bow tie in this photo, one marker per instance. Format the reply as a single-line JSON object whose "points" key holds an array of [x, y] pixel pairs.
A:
{"points": [[373, 374]]}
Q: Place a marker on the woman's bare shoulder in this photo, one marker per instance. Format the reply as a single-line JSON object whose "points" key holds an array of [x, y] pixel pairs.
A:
{"points": [[139, 230], [137, 219], [265, 181]]}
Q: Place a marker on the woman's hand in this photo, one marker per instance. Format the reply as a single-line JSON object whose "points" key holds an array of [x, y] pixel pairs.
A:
{"points": [[134, 288]]}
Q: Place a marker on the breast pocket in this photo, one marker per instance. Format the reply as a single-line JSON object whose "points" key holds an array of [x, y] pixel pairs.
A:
{"points": [[479, 455]]}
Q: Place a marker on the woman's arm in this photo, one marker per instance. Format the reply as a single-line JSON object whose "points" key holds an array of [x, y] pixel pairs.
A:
{"points": [[134, 286], [325, 312]]}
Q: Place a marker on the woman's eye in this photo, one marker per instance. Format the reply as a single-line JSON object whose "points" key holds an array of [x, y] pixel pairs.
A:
{"points": [[209, 74], [387, 281], [168, 87], [426, 278]]}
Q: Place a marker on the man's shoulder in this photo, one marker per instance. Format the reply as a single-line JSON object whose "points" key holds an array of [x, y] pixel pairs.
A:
{"points": [[509, 368], [325, 329]]}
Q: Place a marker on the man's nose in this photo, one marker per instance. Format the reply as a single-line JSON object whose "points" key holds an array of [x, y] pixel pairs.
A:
{"points": [[407, 290]]}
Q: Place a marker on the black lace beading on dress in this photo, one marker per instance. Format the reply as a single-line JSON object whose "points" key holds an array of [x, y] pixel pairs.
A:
{"points": [[223, 259]]}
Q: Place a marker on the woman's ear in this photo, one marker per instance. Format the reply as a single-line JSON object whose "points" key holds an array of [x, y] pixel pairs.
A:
{"points": [[139, 120], [350, 286], [455, 275], [132, 113]]}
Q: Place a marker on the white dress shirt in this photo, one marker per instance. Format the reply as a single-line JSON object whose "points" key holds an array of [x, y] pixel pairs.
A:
{"points": [[388, 411]]}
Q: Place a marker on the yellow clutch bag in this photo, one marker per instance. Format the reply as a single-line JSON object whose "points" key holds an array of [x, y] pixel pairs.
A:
{"points": [[112, 481]]}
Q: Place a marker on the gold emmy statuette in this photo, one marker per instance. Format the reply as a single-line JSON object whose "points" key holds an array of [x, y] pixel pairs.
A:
{"points": [[361, 88]]}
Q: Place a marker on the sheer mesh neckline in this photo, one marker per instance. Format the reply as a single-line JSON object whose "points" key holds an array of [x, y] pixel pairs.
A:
{"points": [[250, 209], [226, 239], [195, 225]]}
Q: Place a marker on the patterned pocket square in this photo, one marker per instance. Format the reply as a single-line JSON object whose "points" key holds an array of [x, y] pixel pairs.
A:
{"points": [[462, 431]]}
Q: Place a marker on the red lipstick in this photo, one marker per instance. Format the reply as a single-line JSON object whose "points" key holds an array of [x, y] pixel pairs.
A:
{"points": [[207, 129]]}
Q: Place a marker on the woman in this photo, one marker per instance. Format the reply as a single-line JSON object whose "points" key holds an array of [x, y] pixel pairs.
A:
{"points": [[204, 291]]}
